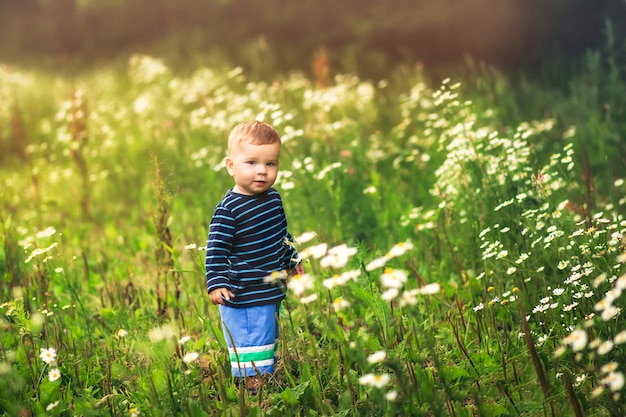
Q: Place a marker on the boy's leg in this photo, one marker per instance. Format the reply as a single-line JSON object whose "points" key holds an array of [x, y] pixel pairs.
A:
{"points": [[251, 335]]}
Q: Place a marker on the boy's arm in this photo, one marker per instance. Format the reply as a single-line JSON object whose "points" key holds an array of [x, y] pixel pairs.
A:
{"points": [[219, 246], [291, 262]]}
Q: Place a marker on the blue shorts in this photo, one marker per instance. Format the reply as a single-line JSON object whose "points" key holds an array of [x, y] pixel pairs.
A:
{"points": [[251, 334]]}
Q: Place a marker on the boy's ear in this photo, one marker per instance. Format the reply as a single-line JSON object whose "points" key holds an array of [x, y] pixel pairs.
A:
{"points": [[229, 165]]}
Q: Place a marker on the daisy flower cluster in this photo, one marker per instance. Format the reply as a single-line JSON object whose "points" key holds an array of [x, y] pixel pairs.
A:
{"points": [[379, 380], [48, 356], [581, 302], [144, 69], [30, 245], [472, 149], [335, 258], [393, 283], [348, 92], [188, 357], [593, 344], [534, 224]]}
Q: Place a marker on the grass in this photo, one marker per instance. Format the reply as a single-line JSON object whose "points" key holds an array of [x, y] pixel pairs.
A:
{"points": [[457, 263]]}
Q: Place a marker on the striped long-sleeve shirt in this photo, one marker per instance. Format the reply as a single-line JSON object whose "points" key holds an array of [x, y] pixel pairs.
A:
{"points": [[248, 240]]}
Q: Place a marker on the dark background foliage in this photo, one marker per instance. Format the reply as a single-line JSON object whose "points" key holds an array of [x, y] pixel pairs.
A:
{"points": [[363, 35], [557, 56]]}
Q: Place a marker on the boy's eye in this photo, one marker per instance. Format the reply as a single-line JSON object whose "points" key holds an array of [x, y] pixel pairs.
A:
{"points": [[251, 162], [271, 164]]}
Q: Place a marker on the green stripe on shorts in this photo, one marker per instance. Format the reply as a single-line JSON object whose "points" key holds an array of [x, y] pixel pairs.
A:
{"points": [[252, 356]]}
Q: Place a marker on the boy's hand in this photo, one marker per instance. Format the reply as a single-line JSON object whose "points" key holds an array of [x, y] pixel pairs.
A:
{"points": [[298, 270], [219, 294]]}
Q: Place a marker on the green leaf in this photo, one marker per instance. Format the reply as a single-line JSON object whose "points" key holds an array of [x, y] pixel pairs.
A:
{"points": [[292, 396], [454, 373], [289, 396], [197, 411], [492, 410]]}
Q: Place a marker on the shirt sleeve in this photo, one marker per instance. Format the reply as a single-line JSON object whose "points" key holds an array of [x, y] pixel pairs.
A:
{"points": [[219, 246]]}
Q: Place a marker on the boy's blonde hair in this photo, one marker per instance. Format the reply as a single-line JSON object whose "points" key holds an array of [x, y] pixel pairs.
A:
{"points": [[254, 132]]}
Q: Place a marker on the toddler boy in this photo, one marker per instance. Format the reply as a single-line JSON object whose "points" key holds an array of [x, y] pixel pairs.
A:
{"points": [[248, 240]]}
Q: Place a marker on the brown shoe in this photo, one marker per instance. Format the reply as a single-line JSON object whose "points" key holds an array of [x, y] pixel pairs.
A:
{"points": [[254, 384]]}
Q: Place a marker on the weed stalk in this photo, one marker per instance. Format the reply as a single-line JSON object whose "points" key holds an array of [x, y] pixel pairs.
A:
{"points": [[164, 251], [530, 344], [571, 395]]}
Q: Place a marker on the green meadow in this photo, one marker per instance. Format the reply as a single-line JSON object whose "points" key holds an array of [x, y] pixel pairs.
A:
{"points": [[463, 239]]}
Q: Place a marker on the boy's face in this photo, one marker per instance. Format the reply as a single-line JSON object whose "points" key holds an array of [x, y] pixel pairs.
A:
{"points": [[254, 167]]}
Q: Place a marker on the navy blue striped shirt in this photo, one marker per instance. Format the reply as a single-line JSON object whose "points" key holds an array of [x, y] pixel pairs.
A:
{"points": [[248, 240]]}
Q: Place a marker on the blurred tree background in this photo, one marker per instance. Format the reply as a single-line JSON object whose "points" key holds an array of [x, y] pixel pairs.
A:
{"points": [[366, 36]]}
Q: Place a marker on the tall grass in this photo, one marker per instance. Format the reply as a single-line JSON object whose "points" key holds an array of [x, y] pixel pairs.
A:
{"points": [[456, 265]]}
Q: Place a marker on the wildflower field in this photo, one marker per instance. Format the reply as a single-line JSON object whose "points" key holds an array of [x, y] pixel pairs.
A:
{"points": [[464, 250]]}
